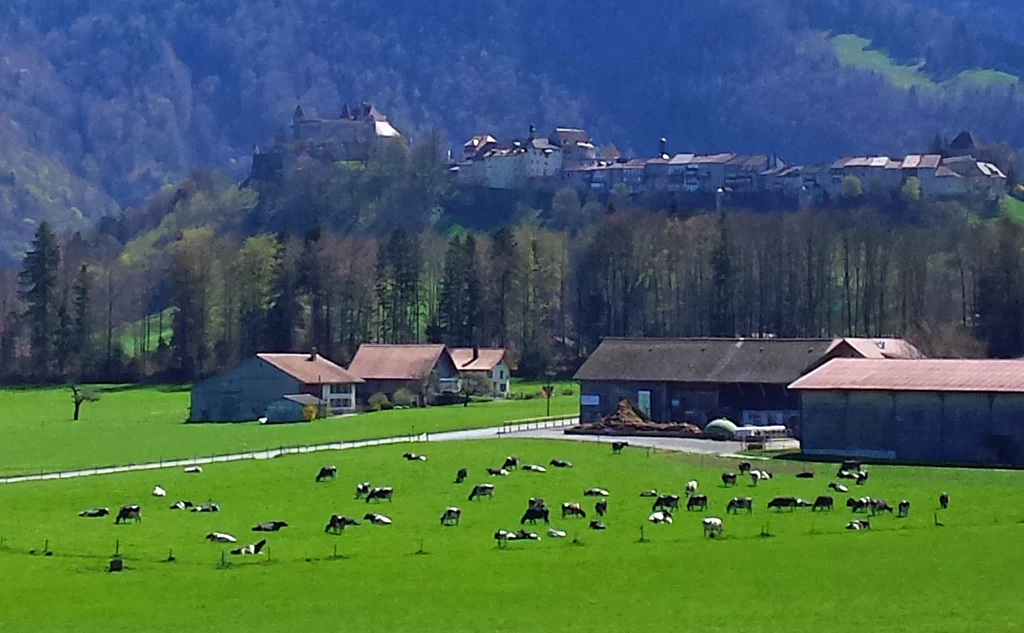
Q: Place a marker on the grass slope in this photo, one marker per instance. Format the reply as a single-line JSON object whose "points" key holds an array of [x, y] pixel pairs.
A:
{"points": [[904, 575], [137, 424], [1012, 208]]}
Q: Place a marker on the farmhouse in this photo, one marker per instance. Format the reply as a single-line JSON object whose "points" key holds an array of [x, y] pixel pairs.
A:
{"points": [[245, 392], [491, 363], [426, 371], [930, 411], [697, 380]]}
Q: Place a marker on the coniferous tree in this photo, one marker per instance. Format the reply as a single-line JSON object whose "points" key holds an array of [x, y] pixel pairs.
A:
{"points": [[39, 291], [81, 327]]}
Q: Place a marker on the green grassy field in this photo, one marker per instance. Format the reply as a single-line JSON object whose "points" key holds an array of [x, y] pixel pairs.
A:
{"points": [[136, 424], [810, 576]]}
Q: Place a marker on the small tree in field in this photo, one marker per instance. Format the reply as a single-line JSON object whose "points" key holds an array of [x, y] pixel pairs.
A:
{"points": [[79, 396]]}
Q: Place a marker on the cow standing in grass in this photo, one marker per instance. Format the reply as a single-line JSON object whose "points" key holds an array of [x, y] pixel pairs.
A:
{"points": [[666, 502], [363, 489], [451, 516], [511, 463], [461, 475], [379, 494], [944, 500], [573, 510], [128, 513], [740, 503], [697, 502], [728, 479], [617, 447], [712, 527], [823, 503], [535, 513], [326, 472], [337, 524], [782, 502], [601, 507], [482, 490], [904, 509]]}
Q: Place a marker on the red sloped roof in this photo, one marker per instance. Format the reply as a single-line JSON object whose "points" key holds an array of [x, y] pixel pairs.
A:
{"points": [[311, 371], [396, 362], [983, 376], [486, 361]]}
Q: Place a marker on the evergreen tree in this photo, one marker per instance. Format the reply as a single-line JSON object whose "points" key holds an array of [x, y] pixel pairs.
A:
{"points": [[723, 291], [39, 281], [286, 311], [82, 324]]}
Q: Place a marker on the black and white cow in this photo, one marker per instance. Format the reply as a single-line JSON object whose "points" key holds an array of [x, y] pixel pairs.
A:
{"points": [[691, 488], [662, 516], [847, 474], [414, 457], [337, 524], [250, 550], [744, 467], [451, 516], [850, 466], [858, 525], [601, 507], [862, 478], [206, 507], [598, 525], [534, 468], [878, 506], [376, 519], [326, 472], [617, 447], [666, 502], [94, 513], [220, 537], [182, 505], [561, 463], [523, 535], [482, 490], [805, 475], [553, 533], [596, 492], [782, 502], [728, 479], [861, 504], [129, 513], [363, 489], [823, 503], [712, 527], [838, 487], [649, 493], [194, 470], [379, 494], [497, 472], [461, 475], [740, 503], [511, 463], [697, 502], [904, 509], [573, 509], [535, 513], [269, 526]]}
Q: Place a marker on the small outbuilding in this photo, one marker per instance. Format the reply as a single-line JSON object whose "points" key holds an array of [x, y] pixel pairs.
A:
{"points": [[924, 411], [294, 408]]}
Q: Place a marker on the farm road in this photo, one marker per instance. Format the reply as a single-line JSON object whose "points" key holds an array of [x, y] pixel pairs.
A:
{"points": [[527, 431]]}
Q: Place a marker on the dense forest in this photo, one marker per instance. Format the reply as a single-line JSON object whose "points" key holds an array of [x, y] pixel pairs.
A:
{"points": [[104, 102]]}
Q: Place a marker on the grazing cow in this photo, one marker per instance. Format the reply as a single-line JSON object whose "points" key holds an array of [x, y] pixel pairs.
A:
{"points": [[250, 550], [536, 512], [497, 472], [534, 468], [553, 533], [598, 525], [128, 513], [697, 502], [663, 516], [740, 503], [691, 488], [414, 457], [536, 502], [573, 510], [376, 519], [451, 516], [596, 492], [666, 502], [838, 487], [944, 500], [878, 506], [482, 490], [782, 502], [904, 509], [511, 463], [193, 470], [805, 475], [601, 507], [159, 492], [712, 526], [461, 475], [326, 472], [618, 446], [859, 505], [337, 524], [728, 479], [858, 525], [206, 507], [745, 467], [823, 503], [269, 526], [862, 478], [561, 463], [757, 476], [649, 493], [523, 535], [181, 505], [94, 513], [363, 489], [220, 537], [379, 494]]}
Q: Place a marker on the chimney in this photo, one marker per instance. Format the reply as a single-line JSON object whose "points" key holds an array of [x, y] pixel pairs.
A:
{"points": [[533, 132], [313, 355], [476, 353], [664, 147]]}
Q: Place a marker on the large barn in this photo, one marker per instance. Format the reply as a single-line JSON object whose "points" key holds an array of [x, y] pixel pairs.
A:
{"points": [[696, 380], [928, 411]]}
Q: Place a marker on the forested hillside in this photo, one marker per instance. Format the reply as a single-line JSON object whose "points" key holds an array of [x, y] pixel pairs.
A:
{"points": [[103, 102]]}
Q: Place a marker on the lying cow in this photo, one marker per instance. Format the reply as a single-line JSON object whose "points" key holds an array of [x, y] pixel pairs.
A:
{"points": [[850, 466], [414, 457], [618, 446], [363, 489], [534, 468], [561, 463], [337, 524], [128, 513], [193, 470], [862, 478], [461, 475], [712, 527], [728, 479], [598, 525], [838, 487], [601, 507], [182, 505], [269, 526], [220, 537], [805, 475], [697, 502], [250, 550], [904, 509], [663, 516], [523, 535], [757, 476], [666, 502], [327, 472], [94, 513], [159, 492], [740, 503], [858, 525], [573, 510], [553, 533], [451, 516], [511, 463], [482, 490], [847, 474], [823, 503], [533, 513], [376, 519], [596, 492], [782, 502], [497, 472], [206, 507], [803, 503], [649, 493], [379, 494]]}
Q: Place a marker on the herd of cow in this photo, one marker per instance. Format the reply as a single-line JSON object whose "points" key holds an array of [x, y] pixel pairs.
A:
{"points": [[537, 509]]}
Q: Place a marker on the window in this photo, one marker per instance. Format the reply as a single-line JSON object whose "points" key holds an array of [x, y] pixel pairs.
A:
{"points": [[339, 389], [501, 388], [340, 403]]}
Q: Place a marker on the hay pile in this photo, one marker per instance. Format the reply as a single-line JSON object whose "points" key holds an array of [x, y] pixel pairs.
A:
{"points": [[627, 419]]}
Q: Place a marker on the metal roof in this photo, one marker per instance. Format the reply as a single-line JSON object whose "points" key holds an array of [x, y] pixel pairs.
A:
{"points": [[971, 376]]}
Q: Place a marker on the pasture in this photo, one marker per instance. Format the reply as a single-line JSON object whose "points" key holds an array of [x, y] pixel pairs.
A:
{"points": [[139, 424], [809, 575]]}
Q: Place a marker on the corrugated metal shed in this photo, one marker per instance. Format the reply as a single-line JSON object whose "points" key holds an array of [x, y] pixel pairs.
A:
{"points": [[965, 376]]}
